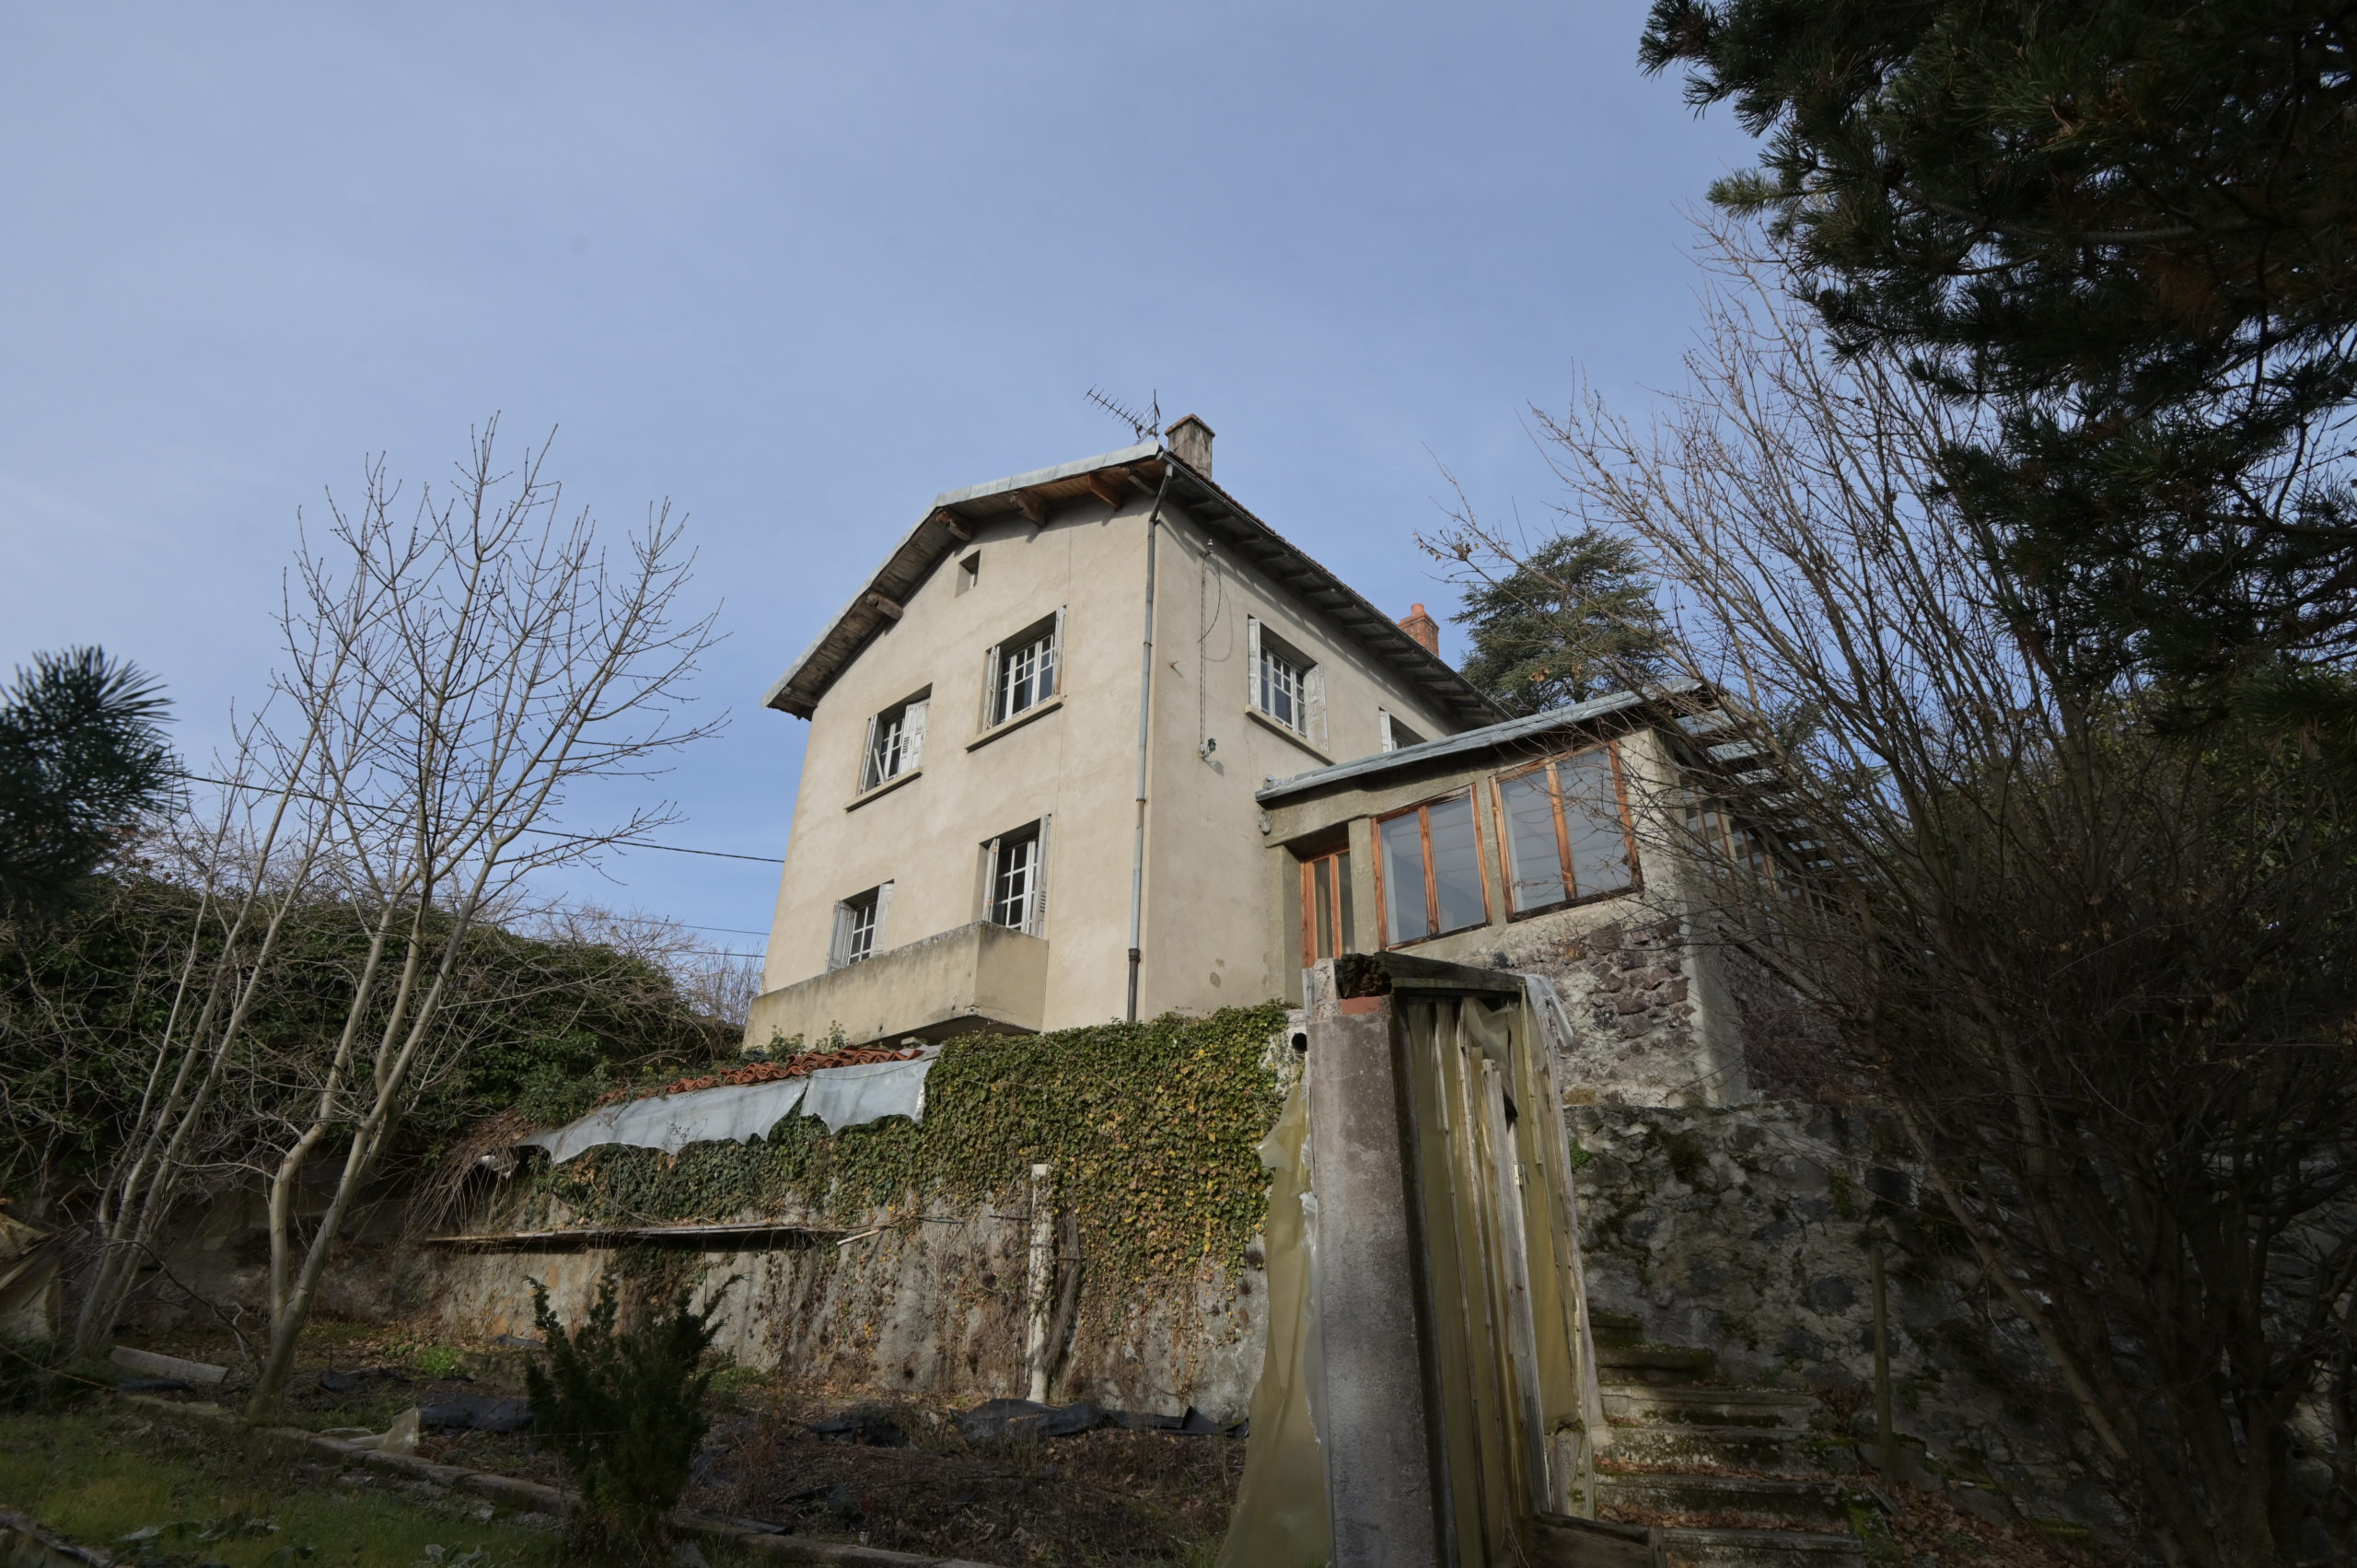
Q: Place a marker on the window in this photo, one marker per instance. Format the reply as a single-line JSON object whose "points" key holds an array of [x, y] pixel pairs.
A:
{"points": [[1023, 671], [1565, 831], [1395, 733], [1280, 696], [1428, 871], [1326, 924], [1729, 842], [1015, 878], [969, 571], [895, 741], [859, 926], [1286, 687]]}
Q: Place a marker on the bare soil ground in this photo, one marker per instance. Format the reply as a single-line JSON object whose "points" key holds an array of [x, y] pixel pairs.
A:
{"points": [[1102, 1497]]}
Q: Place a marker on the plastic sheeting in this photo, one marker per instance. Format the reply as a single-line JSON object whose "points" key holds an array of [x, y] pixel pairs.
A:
{"points": [[1282, 1518], [840, 1097], [851, 1097]]}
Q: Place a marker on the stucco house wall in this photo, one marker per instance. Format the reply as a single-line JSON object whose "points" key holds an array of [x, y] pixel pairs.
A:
{"points": [[1207, 910], [924, 835]]}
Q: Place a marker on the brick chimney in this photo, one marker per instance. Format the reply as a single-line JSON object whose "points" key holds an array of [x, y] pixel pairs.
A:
{"points": [[1423, 628], [1191, 440]]}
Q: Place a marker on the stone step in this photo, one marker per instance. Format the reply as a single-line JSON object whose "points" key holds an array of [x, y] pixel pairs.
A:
{"points": [[1654, 1363], [1783, 1450], [1615, 1328], [1764, 1548], [1653, 1405], [1772, 1500]]}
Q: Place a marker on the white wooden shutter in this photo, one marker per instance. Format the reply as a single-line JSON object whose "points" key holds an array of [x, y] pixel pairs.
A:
{"points": [[883, 912], [1313, 705], [912, 738], [839, 946], [1036, 921], [989, 686], [1056, 656], [989, 880], [867, 756], [1252, 664], [1383, 722]]}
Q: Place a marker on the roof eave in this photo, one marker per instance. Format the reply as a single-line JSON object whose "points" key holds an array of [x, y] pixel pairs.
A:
{"points": [[1435, 679], [1472, 741], [804, 682]]}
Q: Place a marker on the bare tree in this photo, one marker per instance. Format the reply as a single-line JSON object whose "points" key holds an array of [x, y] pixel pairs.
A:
{"points": [[2103, 971], [253, 865], [462, 671], [715, 982]]}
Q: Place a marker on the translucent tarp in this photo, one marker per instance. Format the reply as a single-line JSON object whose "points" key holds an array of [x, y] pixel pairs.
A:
{"points": [[840, 1097], [1281, 1518], [850, 1096]]}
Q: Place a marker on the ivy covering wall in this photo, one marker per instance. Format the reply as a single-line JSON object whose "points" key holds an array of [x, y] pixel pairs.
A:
{"points": [[1151, 1129]]}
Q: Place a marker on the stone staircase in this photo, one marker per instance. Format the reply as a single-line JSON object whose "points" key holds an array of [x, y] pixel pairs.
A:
{"points": [[1736, 1478]]}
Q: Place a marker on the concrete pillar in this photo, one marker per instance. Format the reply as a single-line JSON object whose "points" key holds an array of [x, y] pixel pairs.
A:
{"points": [[1042, 1283], [1384, 1471]]}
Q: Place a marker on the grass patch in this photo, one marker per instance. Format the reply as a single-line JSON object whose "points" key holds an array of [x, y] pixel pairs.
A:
{"points": [[236, 1498]]}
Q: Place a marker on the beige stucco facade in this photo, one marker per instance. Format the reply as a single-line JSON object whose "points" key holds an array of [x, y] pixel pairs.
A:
{"points": [[1075, 543]]}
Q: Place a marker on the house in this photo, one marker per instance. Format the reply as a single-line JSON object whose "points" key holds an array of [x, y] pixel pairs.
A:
{"points": [[1037, 732]]}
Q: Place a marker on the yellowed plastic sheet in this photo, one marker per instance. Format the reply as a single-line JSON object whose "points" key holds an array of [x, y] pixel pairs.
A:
{"points": [[1282, 1518]]}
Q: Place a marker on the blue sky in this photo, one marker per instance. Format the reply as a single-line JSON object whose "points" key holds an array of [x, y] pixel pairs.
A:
{"points": [[796, 268]]}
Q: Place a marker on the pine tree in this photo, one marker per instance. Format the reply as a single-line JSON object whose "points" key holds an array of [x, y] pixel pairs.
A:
{"points": [[2126, 225], [1573, 620], [82, 757]]}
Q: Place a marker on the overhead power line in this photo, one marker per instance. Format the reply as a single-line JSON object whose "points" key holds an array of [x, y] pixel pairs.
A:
{"points": [[543, 833]]}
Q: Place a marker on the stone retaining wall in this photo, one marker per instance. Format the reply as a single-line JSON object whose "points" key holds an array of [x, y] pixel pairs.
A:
{"points": [[1743, 1231]]}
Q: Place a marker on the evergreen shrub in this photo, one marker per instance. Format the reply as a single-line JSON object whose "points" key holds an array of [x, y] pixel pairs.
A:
{"points": [[624, 1409]]}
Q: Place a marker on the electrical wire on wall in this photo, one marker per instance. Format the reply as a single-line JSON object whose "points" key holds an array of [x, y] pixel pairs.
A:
{"points": [[1207, 614]]}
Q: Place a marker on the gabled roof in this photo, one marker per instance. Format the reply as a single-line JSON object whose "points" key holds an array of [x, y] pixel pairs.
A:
{"points": [[1113, 478], [1473, 741]]}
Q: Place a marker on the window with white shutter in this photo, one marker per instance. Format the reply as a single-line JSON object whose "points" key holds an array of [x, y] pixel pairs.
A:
{"points": [[1015, 878], [1024, 672], [859, 927], [1285, 686], [895, 741]]}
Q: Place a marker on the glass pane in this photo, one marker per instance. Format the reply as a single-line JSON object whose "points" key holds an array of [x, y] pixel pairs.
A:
{"points": [[1403, 880], [1279, 688], [1011, 903], [1456, 863], [1321, 876], [1600, 842], [1533, 864], [1347, 932]]}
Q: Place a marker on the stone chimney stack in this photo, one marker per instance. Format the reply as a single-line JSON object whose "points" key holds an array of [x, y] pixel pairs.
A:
{"points": [[1191, 440], [1423, 628]]}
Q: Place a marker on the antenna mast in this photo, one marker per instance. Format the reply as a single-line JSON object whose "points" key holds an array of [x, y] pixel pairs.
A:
{"points": [[1148, 427]]}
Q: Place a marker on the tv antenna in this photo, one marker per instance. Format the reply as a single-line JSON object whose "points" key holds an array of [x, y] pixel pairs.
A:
{"points": [[1147, 427]]}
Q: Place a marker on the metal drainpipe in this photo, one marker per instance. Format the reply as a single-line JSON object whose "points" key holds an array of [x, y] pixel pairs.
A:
{"points": [[1145, 714]]}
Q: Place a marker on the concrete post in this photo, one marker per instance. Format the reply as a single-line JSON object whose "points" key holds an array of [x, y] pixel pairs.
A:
{"points": [[1384, 1474], [1040, 1285]]}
